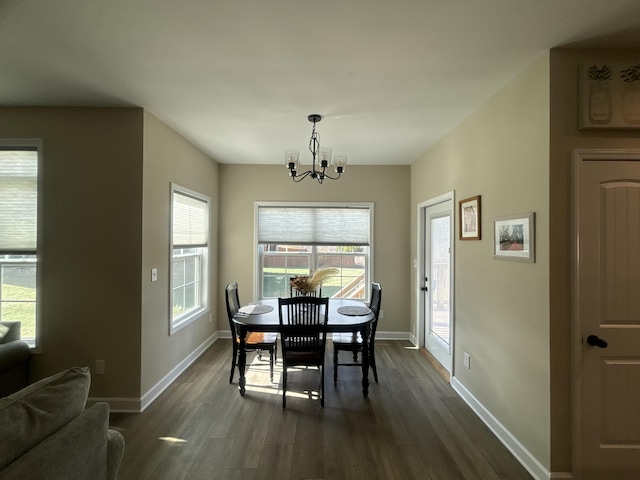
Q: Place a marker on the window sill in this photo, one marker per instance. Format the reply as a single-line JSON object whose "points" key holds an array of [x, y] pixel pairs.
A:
{"points": [[187, 320]]}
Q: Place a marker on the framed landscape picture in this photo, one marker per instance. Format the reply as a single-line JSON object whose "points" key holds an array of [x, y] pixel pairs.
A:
{"points": [[514, 238], [469, 218]]}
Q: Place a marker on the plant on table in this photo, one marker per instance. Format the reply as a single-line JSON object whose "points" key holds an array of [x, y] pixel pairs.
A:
{"points": [[306, 284]]}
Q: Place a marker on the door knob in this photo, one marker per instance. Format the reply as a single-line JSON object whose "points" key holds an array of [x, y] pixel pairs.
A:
{"points": [[596, 341]]}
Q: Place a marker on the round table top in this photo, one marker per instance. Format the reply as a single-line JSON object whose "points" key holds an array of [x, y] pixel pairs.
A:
{"points": [[261, 320]]}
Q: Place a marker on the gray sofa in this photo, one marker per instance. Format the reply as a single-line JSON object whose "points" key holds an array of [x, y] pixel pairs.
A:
{"points": [[14, 359], [48, 433]]}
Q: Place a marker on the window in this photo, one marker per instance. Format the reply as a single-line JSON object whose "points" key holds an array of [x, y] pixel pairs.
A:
{"points": [[189, 257], [18, 235], [297, 239]]}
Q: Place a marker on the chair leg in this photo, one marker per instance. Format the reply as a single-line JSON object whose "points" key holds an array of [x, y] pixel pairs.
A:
{"points": [[335, 364], [234, 360], [322, 386], [372, 363], [284, 387], [355, 356], [271, 360]]}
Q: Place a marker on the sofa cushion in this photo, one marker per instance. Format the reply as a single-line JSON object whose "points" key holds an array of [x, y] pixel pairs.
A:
{"points": [[14, 367], [35, 412], [78, 451], [13, 354]]}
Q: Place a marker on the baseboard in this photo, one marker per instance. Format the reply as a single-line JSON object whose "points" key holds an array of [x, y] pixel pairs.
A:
{"points": [[382, 335], [170, 377], [562, 475], [524, 456], [138, 405]]}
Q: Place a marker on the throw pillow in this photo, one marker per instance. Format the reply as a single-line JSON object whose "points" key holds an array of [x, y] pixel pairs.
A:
{"points": [[40, 409]]}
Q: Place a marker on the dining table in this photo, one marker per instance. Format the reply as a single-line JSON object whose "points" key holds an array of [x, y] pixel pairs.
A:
{"points": [[345, 315]]}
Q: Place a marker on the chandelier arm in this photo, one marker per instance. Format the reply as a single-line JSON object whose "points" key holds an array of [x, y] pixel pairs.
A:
{"points": [[299, 178], [333, 178]]}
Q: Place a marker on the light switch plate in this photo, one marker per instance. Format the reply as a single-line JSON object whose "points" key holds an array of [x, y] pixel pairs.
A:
{"points": [[154, 274]]}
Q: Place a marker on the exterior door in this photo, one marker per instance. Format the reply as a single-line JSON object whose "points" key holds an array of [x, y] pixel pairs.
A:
{"points": [[436, 285], [607, 314]]}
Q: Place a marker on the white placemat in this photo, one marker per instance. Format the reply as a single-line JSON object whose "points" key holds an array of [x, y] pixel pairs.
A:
{"points": [[354, 311], [255, 309]]}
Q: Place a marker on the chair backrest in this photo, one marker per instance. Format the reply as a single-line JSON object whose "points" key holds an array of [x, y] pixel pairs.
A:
{"points": [[233, 305], [376, 301], [303, 322]]}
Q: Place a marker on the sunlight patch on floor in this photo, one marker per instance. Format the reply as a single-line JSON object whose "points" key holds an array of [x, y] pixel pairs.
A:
{"points": [[172, 439], [257, 379]]}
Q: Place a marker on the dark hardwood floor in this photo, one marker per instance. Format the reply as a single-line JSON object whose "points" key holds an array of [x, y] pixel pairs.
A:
{"points": [[412, 426]]}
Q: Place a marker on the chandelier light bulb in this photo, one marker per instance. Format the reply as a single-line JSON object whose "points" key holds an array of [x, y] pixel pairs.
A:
{"points": [[291, 158], [339, 163]]}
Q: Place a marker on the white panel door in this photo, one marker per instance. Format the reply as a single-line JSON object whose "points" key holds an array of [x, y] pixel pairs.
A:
{"points": [[608, 314]]}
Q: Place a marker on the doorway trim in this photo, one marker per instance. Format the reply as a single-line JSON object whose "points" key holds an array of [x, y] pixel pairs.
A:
{"points": [[420, 273], [579, 156]]}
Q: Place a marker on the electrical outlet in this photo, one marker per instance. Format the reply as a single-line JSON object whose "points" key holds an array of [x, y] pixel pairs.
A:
{"points": [[467, 360]]}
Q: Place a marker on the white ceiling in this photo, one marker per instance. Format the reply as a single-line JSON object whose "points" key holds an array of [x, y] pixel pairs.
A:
{"points": [[238, 78]]}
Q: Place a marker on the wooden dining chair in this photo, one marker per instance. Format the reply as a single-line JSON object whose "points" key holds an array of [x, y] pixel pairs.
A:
{"points": [[352, 342], [256, 341], [303, 336]]}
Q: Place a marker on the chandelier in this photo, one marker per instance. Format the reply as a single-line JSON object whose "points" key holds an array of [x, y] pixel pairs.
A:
{"points": [[321, 158]]}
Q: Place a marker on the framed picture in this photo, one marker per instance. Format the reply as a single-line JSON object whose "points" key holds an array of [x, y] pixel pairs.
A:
{"points": [[609, 95], [514, 238], [469, 218]]}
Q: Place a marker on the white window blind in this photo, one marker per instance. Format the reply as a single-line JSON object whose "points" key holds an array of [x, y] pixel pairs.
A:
{"points": [[190, 221], [18, 199], [311, 225]]}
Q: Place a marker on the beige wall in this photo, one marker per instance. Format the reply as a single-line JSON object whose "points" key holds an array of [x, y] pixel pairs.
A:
{"points": [[103, 228], [565, 137], [386, 186], [168, 158], [90, 240], [500, 152]]}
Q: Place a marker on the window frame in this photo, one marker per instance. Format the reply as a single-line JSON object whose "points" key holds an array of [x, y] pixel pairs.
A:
{"points": [[204, 307], [258, 255], [35, 144]]}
